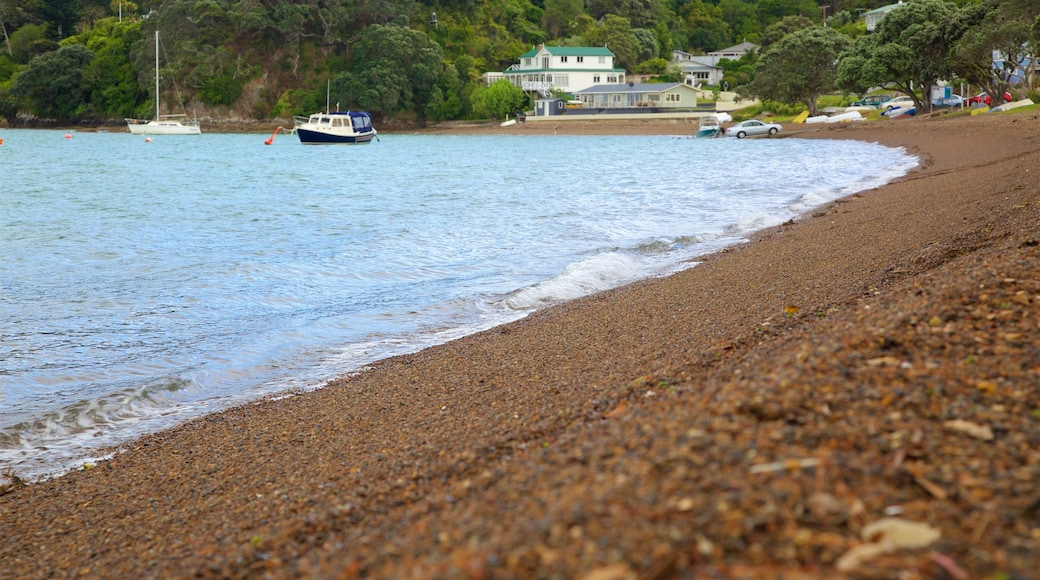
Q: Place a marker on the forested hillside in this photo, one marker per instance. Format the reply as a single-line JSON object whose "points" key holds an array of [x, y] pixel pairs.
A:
{"points": [[75, 60]]}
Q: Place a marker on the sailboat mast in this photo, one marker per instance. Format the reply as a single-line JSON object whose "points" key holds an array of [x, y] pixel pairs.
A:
{"points": [[156, 75]]}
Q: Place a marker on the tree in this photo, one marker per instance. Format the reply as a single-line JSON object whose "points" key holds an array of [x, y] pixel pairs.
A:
{"points": [[52, 85], [776, 31], [908, 50], [498, 100], [616, 34], [394, 69], [1007, 27], [800, 67], [558, 16]]}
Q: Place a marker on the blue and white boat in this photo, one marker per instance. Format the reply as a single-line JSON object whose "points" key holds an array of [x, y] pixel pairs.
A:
{"points": [[338, 127], [709, 127]]}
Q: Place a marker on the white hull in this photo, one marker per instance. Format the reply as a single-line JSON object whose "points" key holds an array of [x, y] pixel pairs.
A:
{"points": [[161, 128]]}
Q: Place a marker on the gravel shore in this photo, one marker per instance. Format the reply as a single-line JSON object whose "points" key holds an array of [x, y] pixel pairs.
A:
{"points": [[854, 393]]}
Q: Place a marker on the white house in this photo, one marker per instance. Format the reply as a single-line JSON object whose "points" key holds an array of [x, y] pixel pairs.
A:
{"points": [[698, 69], [633, 96], [877, 15], [704, 69], [566, 68], [736, 51]]}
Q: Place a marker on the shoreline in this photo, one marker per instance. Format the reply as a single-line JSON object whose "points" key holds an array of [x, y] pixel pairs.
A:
{"points": [[633, 431]]}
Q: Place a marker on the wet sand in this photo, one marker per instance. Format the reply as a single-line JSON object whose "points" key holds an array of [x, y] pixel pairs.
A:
{"points": [[752, 417]]}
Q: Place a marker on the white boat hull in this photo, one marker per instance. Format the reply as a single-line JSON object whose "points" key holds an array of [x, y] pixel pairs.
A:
{"points": [[161, 128]]}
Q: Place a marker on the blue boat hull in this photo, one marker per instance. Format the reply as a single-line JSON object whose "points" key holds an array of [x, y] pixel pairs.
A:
{"points": [[316, 137]]}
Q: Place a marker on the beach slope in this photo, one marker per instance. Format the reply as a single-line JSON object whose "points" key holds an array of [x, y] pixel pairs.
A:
{"points": [[755, 416]]}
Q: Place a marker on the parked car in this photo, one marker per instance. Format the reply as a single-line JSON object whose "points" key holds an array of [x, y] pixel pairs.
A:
{"points": [[753, 127], [985, 99], [952, 101], [872, 101], [902, 101]]}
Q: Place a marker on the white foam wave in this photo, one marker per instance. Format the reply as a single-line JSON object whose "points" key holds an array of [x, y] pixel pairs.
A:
{"points": [[588, 276]]}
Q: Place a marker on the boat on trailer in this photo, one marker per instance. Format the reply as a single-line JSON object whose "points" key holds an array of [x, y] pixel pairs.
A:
{"points": [[709, 127]]}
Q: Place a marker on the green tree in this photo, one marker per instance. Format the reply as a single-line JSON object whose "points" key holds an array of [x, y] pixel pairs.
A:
{"points": [[616, 33], [908, 50], [800, 67], [1008, 27], [52, 86], [30, 41], [707, 29], [110, 77], [776, 31], [498, 100], [558, 16], [395, 69]]}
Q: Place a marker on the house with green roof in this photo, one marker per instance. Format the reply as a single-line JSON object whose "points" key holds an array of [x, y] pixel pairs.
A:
{"points": [[566, 68], [875, 16]]}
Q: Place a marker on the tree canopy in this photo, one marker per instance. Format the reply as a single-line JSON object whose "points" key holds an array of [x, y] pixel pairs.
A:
{"points": [[800, 67], [394, 58]]}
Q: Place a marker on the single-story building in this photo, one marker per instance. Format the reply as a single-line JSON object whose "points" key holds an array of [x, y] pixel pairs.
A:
{"points": [[642, 96]]}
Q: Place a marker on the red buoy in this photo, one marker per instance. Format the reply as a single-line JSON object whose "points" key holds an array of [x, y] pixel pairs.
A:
{"points": [[271, 138]]}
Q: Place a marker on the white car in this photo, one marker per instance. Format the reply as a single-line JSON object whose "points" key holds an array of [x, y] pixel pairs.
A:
{"points": [[753, 127], [899, 102]]}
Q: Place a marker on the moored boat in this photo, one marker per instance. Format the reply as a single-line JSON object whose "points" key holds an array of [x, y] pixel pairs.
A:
{"points": [[162, 124], [337, 127]]}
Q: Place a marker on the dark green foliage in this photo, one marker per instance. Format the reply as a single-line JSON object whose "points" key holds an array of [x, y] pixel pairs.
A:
{"points": [[800, 67], [395, 69], [386, 56], [52, 86]]}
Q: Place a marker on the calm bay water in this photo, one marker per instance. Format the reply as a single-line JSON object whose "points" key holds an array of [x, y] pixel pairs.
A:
{"points": [[146, 283]]}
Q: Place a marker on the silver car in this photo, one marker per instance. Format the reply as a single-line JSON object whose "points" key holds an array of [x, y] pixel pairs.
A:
{"points": [[753, 127]]}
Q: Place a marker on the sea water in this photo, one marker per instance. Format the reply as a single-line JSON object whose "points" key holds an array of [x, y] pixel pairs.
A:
{"points": [[147, 282]]}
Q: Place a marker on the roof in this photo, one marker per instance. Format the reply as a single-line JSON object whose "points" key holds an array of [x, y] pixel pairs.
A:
{"points": [[570, 51], [631, 88], [737, 48], [527, 71], [883, 9]]}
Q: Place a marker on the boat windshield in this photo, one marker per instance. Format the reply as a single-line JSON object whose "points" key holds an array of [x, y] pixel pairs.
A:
{"points": [[361, 122]]}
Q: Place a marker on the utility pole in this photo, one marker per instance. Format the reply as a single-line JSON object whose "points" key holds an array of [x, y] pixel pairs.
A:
{"points": [[4, 27]]}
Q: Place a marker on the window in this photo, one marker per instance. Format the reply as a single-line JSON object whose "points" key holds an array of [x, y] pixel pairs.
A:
{"points": [[611, 79], [672, 98], [561, 80], [527, 62], [595, 78], [581, 59], [602, 59], [563, 59]]}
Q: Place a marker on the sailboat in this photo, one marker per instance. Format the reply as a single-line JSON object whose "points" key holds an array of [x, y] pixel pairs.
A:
{"points": [[162, 124]]}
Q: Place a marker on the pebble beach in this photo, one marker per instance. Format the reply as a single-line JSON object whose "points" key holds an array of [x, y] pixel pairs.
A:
{"points": [[854, 393]]}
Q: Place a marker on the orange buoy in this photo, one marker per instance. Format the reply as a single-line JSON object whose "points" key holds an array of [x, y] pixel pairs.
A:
{"points": [[271, 138], [147, 139], [68, 135]]}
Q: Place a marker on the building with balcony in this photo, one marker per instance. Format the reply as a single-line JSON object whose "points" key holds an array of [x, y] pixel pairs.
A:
{"points": [[569, 69]]}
